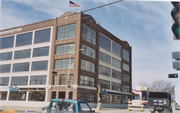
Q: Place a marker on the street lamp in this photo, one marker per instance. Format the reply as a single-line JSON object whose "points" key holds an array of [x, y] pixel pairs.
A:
{"points": [[69, 82]]}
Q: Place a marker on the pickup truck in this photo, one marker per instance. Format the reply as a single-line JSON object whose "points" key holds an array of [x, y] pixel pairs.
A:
{"points": [[160, 101], [67, 106]]}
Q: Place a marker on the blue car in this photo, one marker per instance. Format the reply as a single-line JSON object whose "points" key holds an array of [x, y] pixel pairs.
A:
{"points": [[177, 106], [68, 106]]}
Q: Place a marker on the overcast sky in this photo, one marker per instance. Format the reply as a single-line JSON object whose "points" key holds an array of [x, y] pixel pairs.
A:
{"points": [[145, 25]]}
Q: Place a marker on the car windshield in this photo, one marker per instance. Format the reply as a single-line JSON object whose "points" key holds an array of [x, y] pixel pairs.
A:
{"points": [[62, 106]]}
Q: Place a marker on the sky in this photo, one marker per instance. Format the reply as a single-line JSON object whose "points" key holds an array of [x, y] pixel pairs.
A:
{"points": [[145, 25]]}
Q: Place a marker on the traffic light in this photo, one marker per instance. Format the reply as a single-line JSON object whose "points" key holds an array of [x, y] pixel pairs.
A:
{"points": [[175, 13], [98, 89], [173, 75]]}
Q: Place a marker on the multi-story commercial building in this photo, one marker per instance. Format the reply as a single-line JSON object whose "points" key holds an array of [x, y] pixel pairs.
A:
{"points": [[34, 62]]}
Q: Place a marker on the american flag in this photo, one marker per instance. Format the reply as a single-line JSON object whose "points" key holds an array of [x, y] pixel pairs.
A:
{"points": [[72, 4]]}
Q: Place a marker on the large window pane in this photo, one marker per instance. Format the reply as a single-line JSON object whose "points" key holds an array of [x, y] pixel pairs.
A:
{"points": [[22, 54], [7, 42], [42, 36], [104, 84], [64, 64], [36, 96], [21, 67], [17, 95], [88, 97], [104, 70], [88, 51], [89, 35], [15, 81], [115, 99], [3, 95], [38, 80], [41, 65], [125, 55], [116, 49], [126, 67], [65, 48], [63, 80], [5, 68], [87, 81], [116, 74], [105, 58], [116, 86], [55, 80], [126, 88], [24, 39], [5, 56], [116, 63], [66, 32], [43, 51], [88, 66], [105, 99], [126, 78], [105, 43], [4, 81]]}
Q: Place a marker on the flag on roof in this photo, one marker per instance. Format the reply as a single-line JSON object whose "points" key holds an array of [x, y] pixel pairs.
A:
{"points": [[72, 4]]}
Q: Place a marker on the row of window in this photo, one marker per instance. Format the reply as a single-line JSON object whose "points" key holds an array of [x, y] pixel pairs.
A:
{"points": [[62, 80], [19, 67], [43, 51], [15, 81], [21, 95], [114, 86], [87, 81], [40, 36]]}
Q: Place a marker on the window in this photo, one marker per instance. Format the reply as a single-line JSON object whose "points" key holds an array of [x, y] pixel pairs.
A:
{"points": [[5, 68], [87, 81], [88, 51], [36, 95], [88, 66], [105, 99], [88, 97], [84, 107], [64, 64], [89, 35], [116, 86], [116, 49], [105, 43], [104, 84], [55, 80], [41, 65], [125, 55], [115, 99], [5, 56], [4, 81], [43, 51], [63, 80], [38, 80], [42, 36], [6, 42], [105, 58], [126, 78], [3, 95], [125, 99], [17, 95], [65, 48], [126, 67], [116, 63], [24, 39], [126, 88], [54, 95], [116, 74], [15, 81], [104, 70], [66, 32], [21, 67], [22, 54]]}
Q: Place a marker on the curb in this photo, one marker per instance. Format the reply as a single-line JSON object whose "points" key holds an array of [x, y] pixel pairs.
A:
{"points": [[102, 109]]}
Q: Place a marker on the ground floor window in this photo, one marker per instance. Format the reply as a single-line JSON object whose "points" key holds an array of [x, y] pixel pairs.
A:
{"points": [[115, 99], [105, 99], [61, 95], [3, 95], [53, 94], [88, 97], [17, 95], [125, 99], [37, 95], [70, 95]]}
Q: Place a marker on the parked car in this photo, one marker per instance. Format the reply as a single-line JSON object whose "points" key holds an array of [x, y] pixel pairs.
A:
{"points": [[67, 106], [177, 106]]}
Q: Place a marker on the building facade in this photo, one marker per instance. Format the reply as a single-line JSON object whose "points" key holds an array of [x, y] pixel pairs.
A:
{"points": [[36, 60]]}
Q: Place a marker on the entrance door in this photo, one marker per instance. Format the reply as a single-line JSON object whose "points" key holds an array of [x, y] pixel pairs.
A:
{"points": [[61, 95]]}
